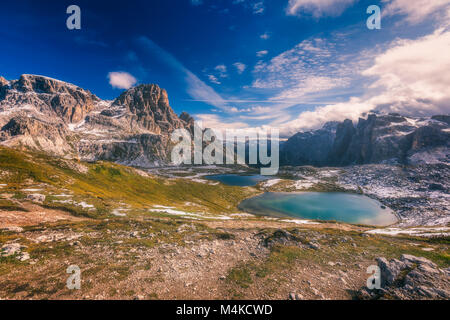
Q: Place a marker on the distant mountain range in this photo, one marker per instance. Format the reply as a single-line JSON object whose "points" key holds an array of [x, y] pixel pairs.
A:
{"points": [[59, 118], [388, 138]]}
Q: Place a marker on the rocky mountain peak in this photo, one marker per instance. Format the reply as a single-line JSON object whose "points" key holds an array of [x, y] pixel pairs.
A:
{"points": [[376, 139], [143, 98], [442, 118], [150, 104], [49, 96], [46, 85], [3, 82]]}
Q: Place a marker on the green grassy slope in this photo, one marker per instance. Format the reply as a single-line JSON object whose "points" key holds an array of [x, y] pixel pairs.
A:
{"points": [[107, 186]]}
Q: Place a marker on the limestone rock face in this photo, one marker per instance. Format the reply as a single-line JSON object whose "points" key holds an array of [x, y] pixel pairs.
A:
{"points": [[3, 82], [378, 139], [149, 107], [59, 118], [310, 148], [38, 135], [67, 101]]}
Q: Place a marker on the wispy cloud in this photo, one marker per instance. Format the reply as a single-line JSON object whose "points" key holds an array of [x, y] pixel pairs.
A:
{"points": [[195, 87], [222, 70], [216, 122], [240, 67], [416, 11], [318, 8], [258, 7], [213, 79], [262, 53], [311, 66]]}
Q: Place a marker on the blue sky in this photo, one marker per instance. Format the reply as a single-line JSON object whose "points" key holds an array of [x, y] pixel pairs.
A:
{"points": [[292, 64]]}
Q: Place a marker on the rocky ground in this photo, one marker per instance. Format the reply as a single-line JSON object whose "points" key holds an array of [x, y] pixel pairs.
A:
{"points": [[156, 258], [410, 278]]}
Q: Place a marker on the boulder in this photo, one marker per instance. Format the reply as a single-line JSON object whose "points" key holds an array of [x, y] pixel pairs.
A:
{"points": [[410, 277]]}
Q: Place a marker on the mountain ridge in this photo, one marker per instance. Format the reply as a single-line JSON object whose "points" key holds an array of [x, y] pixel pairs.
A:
{"points": [[381, 138], [59, 118]]}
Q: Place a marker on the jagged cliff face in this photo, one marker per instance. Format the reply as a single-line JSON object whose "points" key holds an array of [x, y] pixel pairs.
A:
{"points": [[309, 147], [150, 108], [49, 96], [377, 139], [48, 115]]}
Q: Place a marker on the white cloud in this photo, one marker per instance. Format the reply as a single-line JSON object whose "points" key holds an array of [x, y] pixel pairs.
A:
{"points": [[409, 77], [337, 112], [311, 84], [121, 80], [265, 36], [213, 79], [262, 53], [417, 10], [318, 8], [414, 74], [258, 7], [311, 65], [240, 67], [222, 70]]}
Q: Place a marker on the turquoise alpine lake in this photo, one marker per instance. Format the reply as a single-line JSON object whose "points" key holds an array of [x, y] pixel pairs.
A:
{"points": [[238, 180], [336, 206]]}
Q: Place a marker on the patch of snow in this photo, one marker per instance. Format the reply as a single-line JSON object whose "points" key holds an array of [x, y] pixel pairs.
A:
{"points": [[329, 173], [188, 215], [107, 141], [435, 156], [118, 213], [163, 207], [270, 183], [242, 215], [75, 126], [85, 205], [63, 201], [419, 232], [297, 221], [303, 184]]}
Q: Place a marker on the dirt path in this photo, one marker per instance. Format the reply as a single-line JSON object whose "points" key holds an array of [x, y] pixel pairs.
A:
{"points": [[32, 215]]}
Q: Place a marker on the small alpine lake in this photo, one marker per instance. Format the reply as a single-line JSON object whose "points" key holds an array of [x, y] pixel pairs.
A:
{"points": [[237, 180], [344, 207]]}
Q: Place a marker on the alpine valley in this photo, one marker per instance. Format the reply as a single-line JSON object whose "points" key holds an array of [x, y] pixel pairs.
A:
{"points": [[88, 182]]}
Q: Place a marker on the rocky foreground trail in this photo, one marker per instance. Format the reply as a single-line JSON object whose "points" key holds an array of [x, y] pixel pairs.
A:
{"points": [[155, 258]]}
